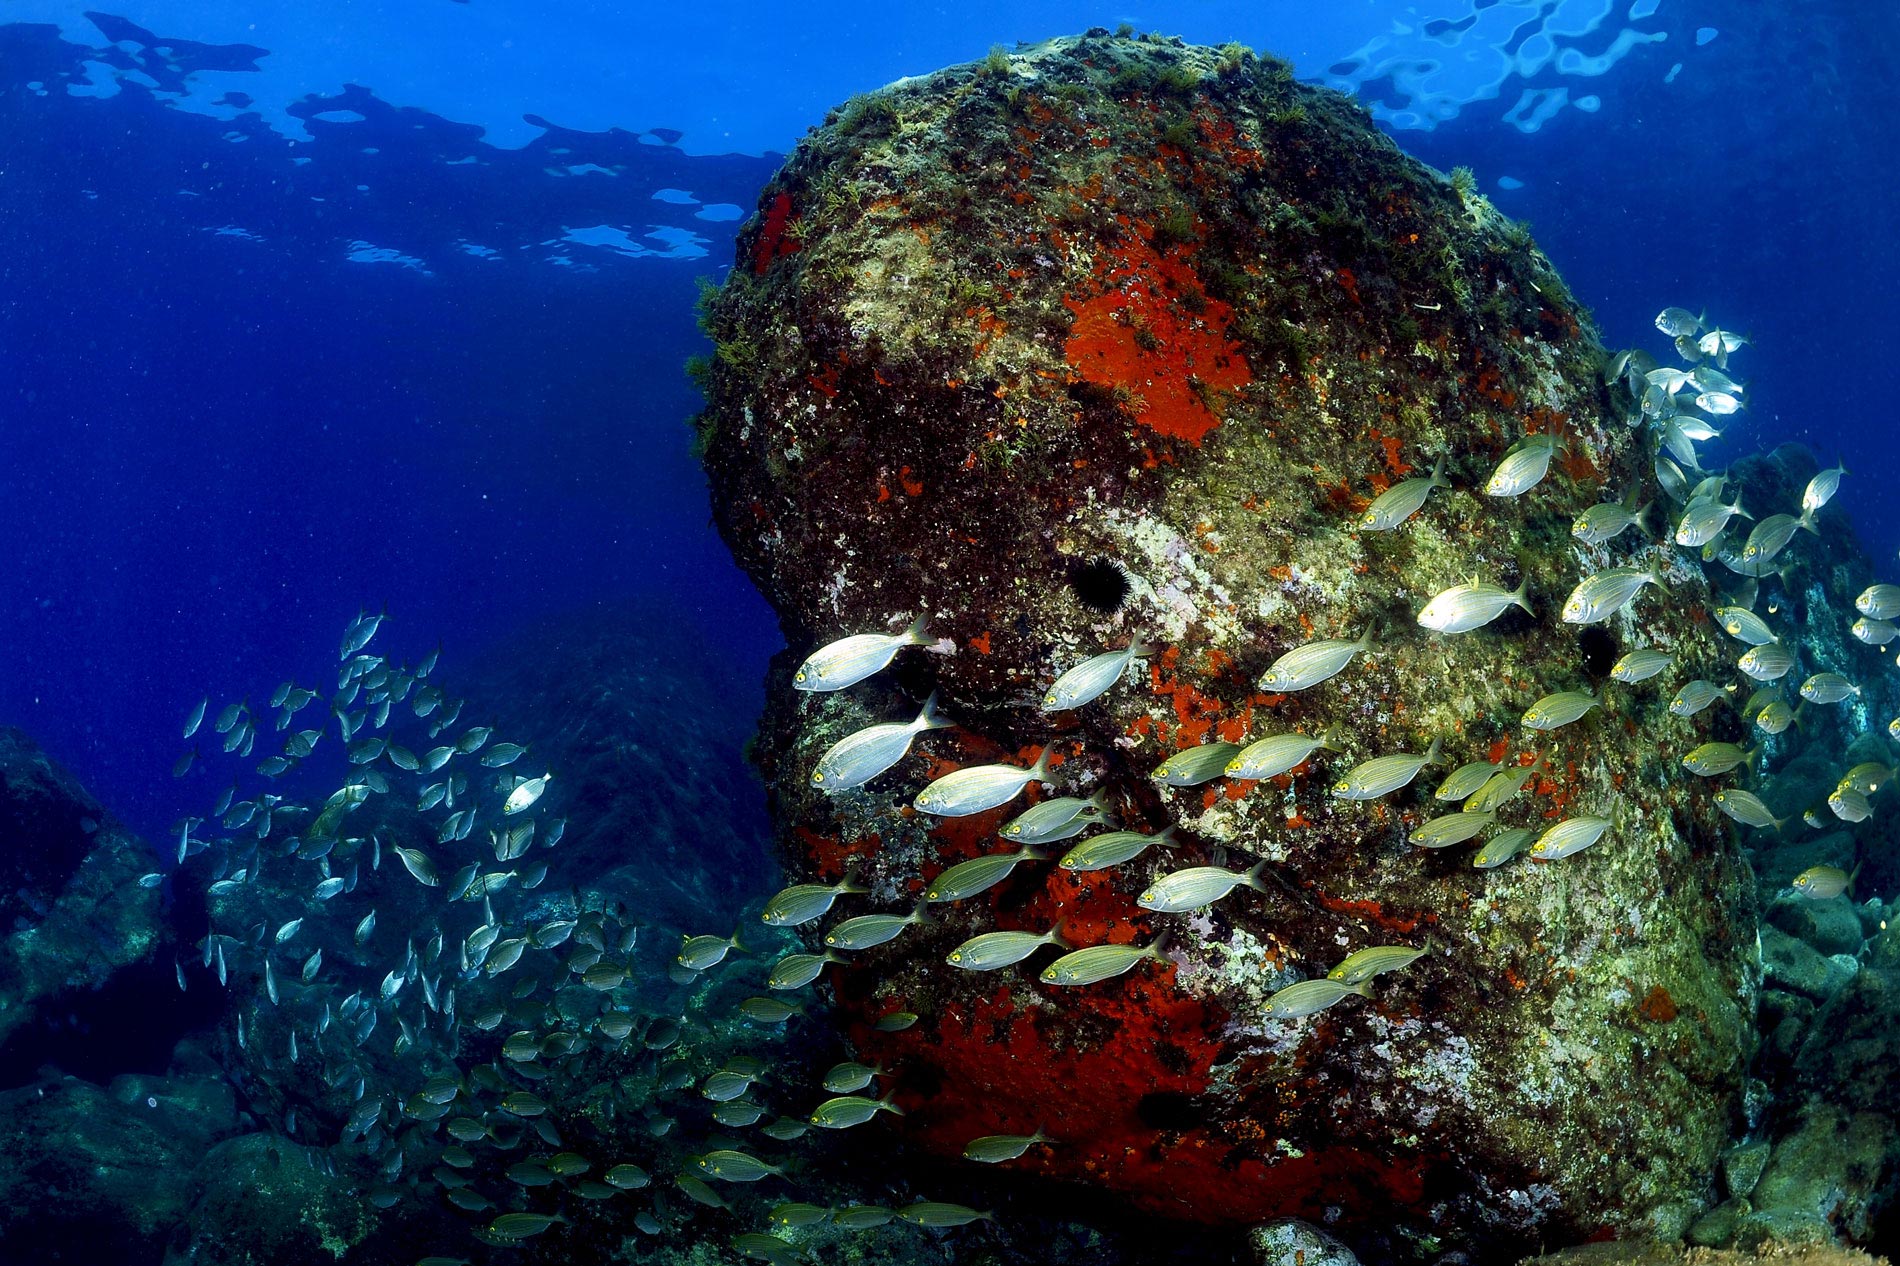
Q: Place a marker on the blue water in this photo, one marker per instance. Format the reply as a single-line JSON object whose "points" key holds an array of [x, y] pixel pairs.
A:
{"points": [[388, 306]]}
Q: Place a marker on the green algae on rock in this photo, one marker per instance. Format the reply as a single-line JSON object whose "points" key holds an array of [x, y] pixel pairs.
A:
{"points": [[1127, 303]]}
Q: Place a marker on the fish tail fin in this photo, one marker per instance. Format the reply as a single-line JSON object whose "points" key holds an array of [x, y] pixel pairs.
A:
{"points": [[1365, 642], [1333, 737], [1781, 824], [1807, 521], [1363, 989], [1438, 479], [1158, 948], [918, 634], [1165, 837], [1100, 801], [849, 883], [1431, 753], [930, 718], [1737, 504], [1799, 711], [1040, 770], [738, 947], [1849, 889], [1054, 935], [1254, 872], [1140, 648], [921, 915], [1518, 595], [1641, 520], [888, 1102]]}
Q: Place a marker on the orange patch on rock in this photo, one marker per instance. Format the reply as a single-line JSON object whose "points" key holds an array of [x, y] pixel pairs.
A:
{"points": [[1657, 1006], [1139, 336]]}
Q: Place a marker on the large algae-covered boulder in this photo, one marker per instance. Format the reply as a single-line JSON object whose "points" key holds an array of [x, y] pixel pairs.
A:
{"points": [[72, 910], [1112, 339]]}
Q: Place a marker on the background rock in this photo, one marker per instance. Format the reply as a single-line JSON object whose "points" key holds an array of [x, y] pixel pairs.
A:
{"points": [[70, 903], [1162, 306], [95, 1175]]}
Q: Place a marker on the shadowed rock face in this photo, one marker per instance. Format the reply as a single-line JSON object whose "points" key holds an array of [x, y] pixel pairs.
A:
{"points": [[1126, 300], [71, 910]]}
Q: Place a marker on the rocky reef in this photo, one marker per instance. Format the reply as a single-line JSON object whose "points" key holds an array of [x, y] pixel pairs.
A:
{"points": [[1115, 338], [75, 917]]}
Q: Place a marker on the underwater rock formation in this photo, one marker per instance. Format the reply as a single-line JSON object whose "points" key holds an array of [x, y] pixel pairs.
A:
{"points": [[104, 1174], [70, 903], [1114, 338]]}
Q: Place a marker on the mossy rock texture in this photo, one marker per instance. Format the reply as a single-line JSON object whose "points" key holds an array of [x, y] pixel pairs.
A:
{"points": [[1125, 299]]}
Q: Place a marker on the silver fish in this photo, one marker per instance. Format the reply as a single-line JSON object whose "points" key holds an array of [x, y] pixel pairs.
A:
{"points": [[1502, 787], [1696, 696], [1312, 663], [1278, 753], [1745, 626], [1309, 997], [1776, 717], [1819, 492], [1471, 605], [1703, 521], [1747, 808], [992, 950], [1523, 468], [1112, 848], [1401, 501], [1601, 596], [1197, 886], [979, 874], [1100, 962], [1640, 665], [1462, 782], [801, 903], [196, 717], [1879, 602], [858, 758], [1773, 533], [1451, 828], [1823, 883], [1091, 678], [963, 792], [1828, 688], [1553, 711], [1569, 837], [1607, 521], [1502, 847], [1061, 818], [1676, 322], [526, 792], [1711, 759], [1195, 765], [1874, 632], [1769, 662], [992, 1149], [872, 929], [1850, 804], [795, 971], [850, 660], [1384, 774], [1376, 960]]}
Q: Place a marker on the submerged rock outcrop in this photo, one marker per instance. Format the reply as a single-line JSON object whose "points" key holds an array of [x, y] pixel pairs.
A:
{"points": [[74, 913], [1114, 338]]}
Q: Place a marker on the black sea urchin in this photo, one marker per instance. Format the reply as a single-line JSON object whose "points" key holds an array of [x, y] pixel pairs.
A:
{"points": [[1101, 584]]}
